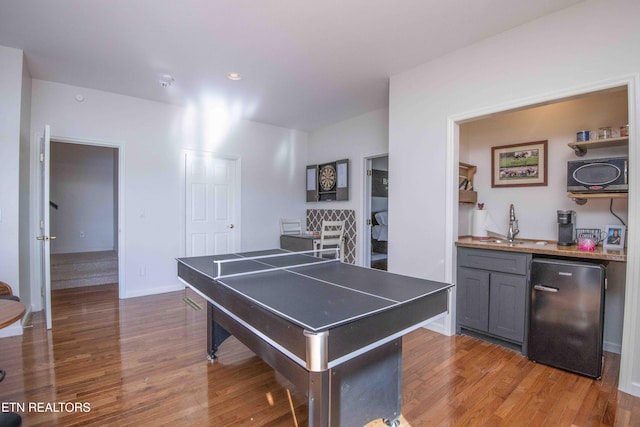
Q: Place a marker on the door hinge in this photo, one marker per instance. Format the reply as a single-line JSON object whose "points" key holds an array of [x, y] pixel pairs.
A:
{"points": [[369, 172], [41, 157], [41, 292], [368, 222]]}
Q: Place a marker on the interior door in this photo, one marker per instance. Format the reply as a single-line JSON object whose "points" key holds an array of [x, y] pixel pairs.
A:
{"points": [[44, 234], [211, 205]]}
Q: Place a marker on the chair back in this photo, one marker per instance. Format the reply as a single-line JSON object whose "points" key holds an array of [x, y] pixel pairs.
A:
{"points": [[332, 235], [290, 226], [5, 289]]}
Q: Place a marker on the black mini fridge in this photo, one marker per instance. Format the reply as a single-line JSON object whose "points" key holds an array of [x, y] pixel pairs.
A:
{"points": [[567, 315]]}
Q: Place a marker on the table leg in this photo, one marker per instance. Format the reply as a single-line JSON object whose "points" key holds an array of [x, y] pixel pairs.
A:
{"points": [[216, 334], [319, 397]]}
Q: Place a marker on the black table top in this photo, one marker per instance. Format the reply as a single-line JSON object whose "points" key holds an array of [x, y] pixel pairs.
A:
{"points": [[318, 296]]}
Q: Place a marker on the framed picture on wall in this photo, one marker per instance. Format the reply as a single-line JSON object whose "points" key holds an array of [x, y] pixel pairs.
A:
{"points": [[614, 238], [519, 165]]}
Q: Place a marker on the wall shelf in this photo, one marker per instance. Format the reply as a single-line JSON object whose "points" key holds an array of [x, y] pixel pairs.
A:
{"points": [[581, 198], [466, 194], [581, 147]]}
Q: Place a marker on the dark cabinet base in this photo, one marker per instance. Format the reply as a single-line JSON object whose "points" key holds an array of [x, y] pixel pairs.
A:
{"points": [[491, 296]]}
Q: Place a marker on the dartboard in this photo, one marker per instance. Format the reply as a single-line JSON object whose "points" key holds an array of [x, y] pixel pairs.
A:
{"points": [[327, 177]]}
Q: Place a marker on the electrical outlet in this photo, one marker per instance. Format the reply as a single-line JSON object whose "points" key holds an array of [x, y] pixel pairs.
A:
{"points": [[142, 271], [82, 234]]}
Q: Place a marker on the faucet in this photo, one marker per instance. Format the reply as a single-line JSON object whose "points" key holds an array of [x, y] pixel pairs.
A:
{"points": [[513, 225]]}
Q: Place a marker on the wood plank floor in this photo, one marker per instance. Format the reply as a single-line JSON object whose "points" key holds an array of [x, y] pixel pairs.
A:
{"points": [[141, 361]]}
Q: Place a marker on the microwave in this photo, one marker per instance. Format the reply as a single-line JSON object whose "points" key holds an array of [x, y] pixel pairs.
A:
{"points": [[609, 175]]}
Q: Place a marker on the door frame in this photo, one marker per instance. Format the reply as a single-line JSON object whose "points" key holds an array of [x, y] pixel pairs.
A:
{"points": [[36, 256], [183, 196], [366, 208], [630, 336]]}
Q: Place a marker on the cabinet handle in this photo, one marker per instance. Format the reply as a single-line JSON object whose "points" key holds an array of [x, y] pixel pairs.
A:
{"points": [[545, 288]]}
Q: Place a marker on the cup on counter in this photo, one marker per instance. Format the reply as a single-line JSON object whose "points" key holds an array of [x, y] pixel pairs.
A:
{"points": [[587, 244]]}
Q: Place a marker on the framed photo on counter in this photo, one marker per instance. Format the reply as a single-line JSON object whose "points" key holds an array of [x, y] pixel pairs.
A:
{"points": [[614, 238]]}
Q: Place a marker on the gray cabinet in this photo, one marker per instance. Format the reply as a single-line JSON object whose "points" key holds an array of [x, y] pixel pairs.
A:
{"points": [[492, 294]]}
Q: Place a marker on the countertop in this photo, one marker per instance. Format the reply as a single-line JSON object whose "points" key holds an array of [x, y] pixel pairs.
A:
{"points": [[550, 248]]}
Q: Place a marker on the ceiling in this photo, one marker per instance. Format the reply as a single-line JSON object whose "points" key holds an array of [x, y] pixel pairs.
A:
{"points": [[305, 64]]}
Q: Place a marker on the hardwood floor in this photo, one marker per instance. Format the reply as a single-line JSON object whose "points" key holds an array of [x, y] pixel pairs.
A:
{"points": [[141, 361]]}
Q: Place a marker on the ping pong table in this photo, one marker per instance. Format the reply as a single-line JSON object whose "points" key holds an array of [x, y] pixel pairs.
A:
{"points": [[334, 330]]}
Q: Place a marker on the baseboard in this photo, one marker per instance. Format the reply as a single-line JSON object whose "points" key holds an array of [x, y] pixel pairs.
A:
{"points": [[153, 291], [612, 347], [437, 325]]}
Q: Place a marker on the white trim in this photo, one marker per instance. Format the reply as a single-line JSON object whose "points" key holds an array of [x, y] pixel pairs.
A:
{"points": [[367, 185], [153, 291], [629, 355], [630, 333], [365, 238], [122, 289], [611, 347]]}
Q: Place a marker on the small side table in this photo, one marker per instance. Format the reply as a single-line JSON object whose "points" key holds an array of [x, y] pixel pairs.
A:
{"points": [[10, 311]]}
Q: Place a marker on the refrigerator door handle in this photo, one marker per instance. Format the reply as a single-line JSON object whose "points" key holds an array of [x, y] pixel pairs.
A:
{"points": [[545, 288]]}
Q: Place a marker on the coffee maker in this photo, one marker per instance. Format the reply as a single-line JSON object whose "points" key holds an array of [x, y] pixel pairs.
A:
{"points": [[566, 228]]}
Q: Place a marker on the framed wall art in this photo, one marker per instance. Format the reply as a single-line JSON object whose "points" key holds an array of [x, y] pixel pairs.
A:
{"points": [[519, 165]]}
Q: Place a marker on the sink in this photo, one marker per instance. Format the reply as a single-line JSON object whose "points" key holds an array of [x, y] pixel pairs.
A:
{"points": [[505, 241]]}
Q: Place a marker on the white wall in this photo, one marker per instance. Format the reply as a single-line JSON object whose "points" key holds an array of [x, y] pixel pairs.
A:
{"points": [[554, 55], [11, 63], [558, 124], [154, 137], [26, 241], [81, 182], [353, 139]]}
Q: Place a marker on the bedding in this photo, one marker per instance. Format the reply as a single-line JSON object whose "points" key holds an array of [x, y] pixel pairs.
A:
{"points": [[379, 232]]}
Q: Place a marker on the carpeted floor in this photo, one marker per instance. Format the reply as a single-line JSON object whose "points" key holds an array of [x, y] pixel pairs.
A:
{"points": [[83, 269]]}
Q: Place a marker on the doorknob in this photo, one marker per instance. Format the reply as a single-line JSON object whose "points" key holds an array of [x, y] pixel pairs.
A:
{"points": [[231, 225], [40, 238], [46, 238]]}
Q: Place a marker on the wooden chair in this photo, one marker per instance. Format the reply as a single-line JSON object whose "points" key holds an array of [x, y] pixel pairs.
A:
{"points": [[332, 235], [290, 226], [6, 292]]}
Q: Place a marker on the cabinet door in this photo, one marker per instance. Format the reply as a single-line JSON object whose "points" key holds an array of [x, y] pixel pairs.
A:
{"points": [[507, 306], [472, 295], [312, 183]]}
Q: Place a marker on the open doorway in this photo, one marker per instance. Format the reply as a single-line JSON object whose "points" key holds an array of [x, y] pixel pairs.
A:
{"points": [[376, 212], [84, 216]]}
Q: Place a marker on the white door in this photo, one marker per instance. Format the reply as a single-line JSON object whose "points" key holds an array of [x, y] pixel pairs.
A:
{"points": [[212, 198], [44, 234]]}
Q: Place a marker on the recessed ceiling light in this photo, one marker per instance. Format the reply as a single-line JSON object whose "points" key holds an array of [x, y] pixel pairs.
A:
{"points": [[234, 76], [166, 80]]}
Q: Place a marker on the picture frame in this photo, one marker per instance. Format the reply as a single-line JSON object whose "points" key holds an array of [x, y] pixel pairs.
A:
{"points": [[614, 237], [519, 165]]}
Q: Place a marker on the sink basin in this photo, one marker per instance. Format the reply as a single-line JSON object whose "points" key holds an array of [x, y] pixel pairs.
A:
{"points": [[504, 241]]}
